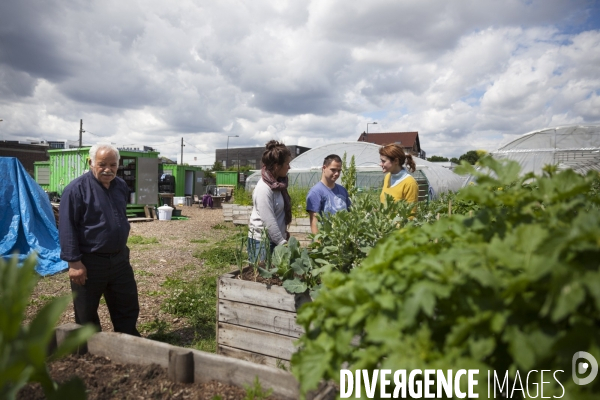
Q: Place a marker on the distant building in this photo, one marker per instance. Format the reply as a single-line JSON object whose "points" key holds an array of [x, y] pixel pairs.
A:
{"points": [[249, 156], [27, 154], [408, 140]]}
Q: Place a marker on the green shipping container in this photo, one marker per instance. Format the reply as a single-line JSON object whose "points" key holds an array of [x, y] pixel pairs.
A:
{"points": [[41, 174], [189, 180], [138, 168], [227, 178]]}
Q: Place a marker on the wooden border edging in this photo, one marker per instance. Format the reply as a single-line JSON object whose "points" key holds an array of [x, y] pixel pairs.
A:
{"points": [[127, 349]]}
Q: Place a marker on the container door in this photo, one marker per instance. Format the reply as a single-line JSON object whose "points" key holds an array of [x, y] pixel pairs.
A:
{"points": [[147, 180], [189, 183]]}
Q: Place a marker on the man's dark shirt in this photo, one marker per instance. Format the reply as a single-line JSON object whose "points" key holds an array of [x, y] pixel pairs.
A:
{"points": [[93, 219]]}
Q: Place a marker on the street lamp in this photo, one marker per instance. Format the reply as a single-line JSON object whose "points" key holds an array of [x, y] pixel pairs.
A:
{"points": [[227, 151], [369, 123]]}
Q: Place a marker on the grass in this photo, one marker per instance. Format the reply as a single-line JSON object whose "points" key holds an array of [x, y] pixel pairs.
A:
{"points": [[199, 241], [41, 300], [195, 298], [140, 272], [137, 239], [157, 330]]}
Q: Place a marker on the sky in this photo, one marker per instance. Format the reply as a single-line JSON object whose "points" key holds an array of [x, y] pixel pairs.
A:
{"points": [[467, 75]]}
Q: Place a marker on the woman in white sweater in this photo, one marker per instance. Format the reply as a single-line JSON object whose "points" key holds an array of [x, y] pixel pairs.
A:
{"points": [[271, 208]]}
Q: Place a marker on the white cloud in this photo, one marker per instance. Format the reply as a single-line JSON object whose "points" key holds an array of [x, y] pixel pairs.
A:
{"points": [[464, 74]]}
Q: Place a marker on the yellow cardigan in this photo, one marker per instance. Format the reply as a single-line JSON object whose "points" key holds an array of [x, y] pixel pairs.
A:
{"points": [[407, 189]]}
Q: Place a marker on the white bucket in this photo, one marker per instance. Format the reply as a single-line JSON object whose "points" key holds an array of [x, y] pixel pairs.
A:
{"points": [[164, 213], [178, 201], [132, 198]]}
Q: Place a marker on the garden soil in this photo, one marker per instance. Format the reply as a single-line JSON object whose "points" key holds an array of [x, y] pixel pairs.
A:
{"points": [[106, 380]]}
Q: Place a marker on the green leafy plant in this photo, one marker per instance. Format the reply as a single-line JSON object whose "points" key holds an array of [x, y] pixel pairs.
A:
{"points": [[265, 243], [513, 287], [349, 176], [256, 392], [346, 237], [293, 266], [23, 348]]}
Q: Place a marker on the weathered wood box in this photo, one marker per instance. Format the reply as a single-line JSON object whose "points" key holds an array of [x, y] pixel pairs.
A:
{"points": [[257, 322], [193, 365]]}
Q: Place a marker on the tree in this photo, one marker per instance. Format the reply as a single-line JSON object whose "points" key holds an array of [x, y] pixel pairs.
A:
{"points": [[470, 156], [437, 158], [217, 166], [455, 160]]}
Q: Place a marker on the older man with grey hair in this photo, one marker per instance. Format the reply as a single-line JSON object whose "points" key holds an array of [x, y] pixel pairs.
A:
{"points": [[93, 233]]}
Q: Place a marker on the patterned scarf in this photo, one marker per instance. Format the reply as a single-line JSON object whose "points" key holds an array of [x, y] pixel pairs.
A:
{"points": [[280, 184]]}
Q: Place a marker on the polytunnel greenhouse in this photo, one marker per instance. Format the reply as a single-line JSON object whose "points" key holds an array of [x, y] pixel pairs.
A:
{"points": [[306, 170], [576, 147]]}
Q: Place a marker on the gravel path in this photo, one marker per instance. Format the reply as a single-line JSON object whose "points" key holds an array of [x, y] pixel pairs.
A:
{"points": [[178, 240]]}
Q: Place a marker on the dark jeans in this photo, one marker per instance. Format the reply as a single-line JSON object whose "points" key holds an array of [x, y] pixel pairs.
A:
{"points": [[111, 276]]}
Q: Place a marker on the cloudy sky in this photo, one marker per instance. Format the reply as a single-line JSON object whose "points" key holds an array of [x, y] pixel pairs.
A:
{"points": [[468, 74]]}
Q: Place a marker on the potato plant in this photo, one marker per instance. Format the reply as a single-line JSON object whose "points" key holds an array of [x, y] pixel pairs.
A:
{"points": [[514, 287]]}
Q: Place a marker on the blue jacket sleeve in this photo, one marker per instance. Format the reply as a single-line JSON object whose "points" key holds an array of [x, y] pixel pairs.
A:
{"points": [[69, 213]]}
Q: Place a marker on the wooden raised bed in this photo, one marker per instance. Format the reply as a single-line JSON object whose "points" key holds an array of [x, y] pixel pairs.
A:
{"points": [[256, 322], [189, 365]]}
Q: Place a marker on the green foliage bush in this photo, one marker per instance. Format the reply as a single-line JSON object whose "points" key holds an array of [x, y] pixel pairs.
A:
{"points": [[346, 237], [514, 287], [23, 348], [297, 197], [242, 197]]}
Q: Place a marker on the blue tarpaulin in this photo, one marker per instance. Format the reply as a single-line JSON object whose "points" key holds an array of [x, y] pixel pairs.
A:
{"points": [[27, 221]]}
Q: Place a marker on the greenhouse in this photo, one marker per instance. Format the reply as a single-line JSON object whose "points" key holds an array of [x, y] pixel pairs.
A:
{"points": [[576, 147], [306, 170]]}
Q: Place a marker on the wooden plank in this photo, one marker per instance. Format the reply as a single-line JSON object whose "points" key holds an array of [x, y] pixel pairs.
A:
{"points": [[147, 212], [253, 357], [299, 229], [140, 219], [238, 372], [302, 221], [256, 293], [123, 348], [269, 344], [127, 349], [261, 318]]}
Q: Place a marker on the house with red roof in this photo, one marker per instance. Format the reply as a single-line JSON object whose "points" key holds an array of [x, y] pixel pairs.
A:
{"points": [[408, 140]]}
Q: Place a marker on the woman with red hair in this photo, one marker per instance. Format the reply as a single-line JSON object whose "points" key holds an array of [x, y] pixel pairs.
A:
{"points": [[398, 183]]}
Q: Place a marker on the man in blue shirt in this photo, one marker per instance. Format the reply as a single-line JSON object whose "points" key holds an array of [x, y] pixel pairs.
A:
{"points": [[327, 197], [93, 233]]}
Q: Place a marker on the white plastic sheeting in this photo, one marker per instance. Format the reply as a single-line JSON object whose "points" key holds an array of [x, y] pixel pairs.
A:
{"points": [[306, 168], [576, 147]]}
